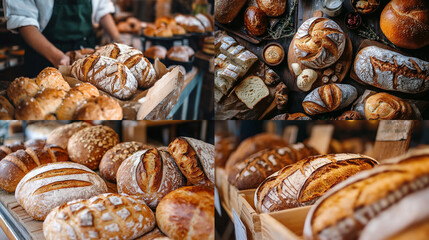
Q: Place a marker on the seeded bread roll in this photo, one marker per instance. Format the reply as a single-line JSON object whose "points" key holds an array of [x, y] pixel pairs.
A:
{"points": [[20, 89], [302, 183], [113, 158], [52, 78], [106, 216], [149, 174], [60, 136], [52, 185], [89, 145], [7, 111], [74, 98], [195, 160], [99, 108]]}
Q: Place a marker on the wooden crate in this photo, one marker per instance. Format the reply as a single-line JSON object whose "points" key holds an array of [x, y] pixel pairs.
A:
{"points": [[222, 186], [249, 216]]}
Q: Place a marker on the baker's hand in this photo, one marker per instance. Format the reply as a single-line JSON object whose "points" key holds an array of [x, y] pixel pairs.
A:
{"points": [[60, 58], [64, 60]]}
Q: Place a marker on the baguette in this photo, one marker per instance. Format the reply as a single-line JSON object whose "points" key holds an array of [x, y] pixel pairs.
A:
{"points": [[328, 98], [302, 183]]}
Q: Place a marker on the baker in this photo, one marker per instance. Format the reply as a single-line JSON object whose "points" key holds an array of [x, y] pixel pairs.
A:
{"points": [[52, 27]]}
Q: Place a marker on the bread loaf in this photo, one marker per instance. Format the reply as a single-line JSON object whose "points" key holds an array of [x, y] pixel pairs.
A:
{"points": [[140, 67], [74, 98], [224, 146], [190, 23], [195, 160], [393, 194], [328, 98], [60, 136], [107, 216], [149, 174], [281, 96], [51, 78], [42, 106], [383, 106], [106, 74], [154, 234], [406, 23], [207, 21], [350, 115], [114, 157], [99, 108], [156, 52], [273, 8], [52, 185], [89, 145], [302, 183], [180, 53], [7, 111], [255, 20], [257, 167], [319, 42], [20, 89], [227, 10], [17, 164], [392, 71], [10, 148], [198, 222]]}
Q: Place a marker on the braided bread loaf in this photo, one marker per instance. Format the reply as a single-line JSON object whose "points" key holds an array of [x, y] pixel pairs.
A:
{"points": [[17, 164], [133, 58], [100, 108], [74, 98], [388, 107], [42, 106], [6, 109], [51, 78], [106, 216], [106, 74]]}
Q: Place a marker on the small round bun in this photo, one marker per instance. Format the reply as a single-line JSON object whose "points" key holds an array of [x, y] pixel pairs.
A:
{"points": [[20, 89], [52, 78]]}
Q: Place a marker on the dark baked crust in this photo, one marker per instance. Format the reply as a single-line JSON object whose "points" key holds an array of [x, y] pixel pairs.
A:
{"points": [[255, 20]]}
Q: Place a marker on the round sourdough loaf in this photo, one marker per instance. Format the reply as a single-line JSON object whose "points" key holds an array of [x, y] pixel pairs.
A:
{"points": [[106, 216], [51, 185], [272, 8], [198, 222], [60, 136], [89, 145]]}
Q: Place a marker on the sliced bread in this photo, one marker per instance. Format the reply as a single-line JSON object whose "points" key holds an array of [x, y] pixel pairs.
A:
{"points": [[251, 91]]}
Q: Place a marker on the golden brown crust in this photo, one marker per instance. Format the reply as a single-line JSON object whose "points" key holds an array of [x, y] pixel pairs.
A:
{"points": [[383, 106], [60, 136], [227, 10], [51, 78], [272, 8], [6, 109], [20, 89], [42, 106], [74, 98], [156, 52], [255, 20], [99, 108]]}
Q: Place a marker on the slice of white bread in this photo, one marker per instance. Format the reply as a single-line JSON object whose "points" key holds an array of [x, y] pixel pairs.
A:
{"points": [[251, 91], [217, 95]]}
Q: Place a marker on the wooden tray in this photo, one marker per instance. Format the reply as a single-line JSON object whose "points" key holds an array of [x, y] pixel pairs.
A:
{"points": [[345, 59]]}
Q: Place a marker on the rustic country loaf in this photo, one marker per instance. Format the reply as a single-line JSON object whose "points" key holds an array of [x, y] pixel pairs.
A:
{"points": [[106, 216], [99, 108], [227, 10], [113, 158], [195, 160], [17, 164], [272, 8], [52, 185], [75, 98], [60, 136], [149, 174], [358, 208], [388, 107], [302, 183], [255, 20], [89, 145], [257, 167], [198, 222]]}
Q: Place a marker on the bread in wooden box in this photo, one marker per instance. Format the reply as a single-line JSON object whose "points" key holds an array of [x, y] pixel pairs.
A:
{"points": [[106, 216], [302, 183], [391, 71], [114, 157], [7, 111], [52, 185], [17, 164], [75, 98], [198, 222], [257, 167], [195, 160], [387, 202], [89, 145], [60, 136], [383, 106], [99, 108]]}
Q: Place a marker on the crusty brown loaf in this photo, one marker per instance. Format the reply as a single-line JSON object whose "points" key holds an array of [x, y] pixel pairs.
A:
{"points": [[42, 106], [60, 136], [153, 235], [252, 145], [20, 89], [406, 23], [51, 78], [10, 148], [195, 160], [113, 158], [156, 52], [206, 20], [255, 20], [395, 195], [150, 174], [180, 53], [257, 167], [350, 115], [52, 185], [224, 146], [74, 98], [106, 216], [88, 145], [272, 8], [198, 223], [190, 23], [227, 10], [99, 108], [302, 183], [383, 106], [17, 164], [6, 109]]}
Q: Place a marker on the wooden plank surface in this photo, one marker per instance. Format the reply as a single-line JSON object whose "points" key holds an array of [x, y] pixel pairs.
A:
{"points": [[305, 10]]}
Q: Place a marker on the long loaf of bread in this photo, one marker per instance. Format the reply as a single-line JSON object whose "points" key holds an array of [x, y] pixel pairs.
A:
{"points": [[17, 164], [10, 148], [302, 183]]}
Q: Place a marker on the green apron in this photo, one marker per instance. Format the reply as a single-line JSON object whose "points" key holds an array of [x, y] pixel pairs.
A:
{"points": [[70, 28]]}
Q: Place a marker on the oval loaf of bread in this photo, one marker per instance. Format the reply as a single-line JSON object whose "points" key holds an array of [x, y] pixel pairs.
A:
{"points": [[60, 136], [302, 183], [52, 185], [106, 216]]}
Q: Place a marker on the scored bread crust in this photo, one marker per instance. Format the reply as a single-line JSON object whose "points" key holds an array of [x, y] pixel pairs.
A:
{"points": [[387, 107], [61, 135], [272, 8]]}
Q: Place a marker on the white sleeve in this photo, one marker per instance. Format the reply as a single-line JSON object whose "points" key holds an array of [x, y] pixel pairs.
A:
{"points": [[100, 8], [20, 13]]}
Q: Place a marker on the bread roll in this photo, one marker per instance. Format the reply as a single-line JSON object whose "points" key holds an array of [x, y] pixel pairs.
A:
{"points": [[383, 106], [88, 145], [106, 216], [51, 78], [42, 106], [99, 108], [406, 23], [177, 30], [255, 20], [149, 174], [163, 32], [113, 158], [7, 111], [198, 222], [74, 98], [149, 31], [273, 8], [156, 52], [60, 136], [319, 42], [20, 89], [302, 183], [227, 10], [257, 167], [195, 160]]}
